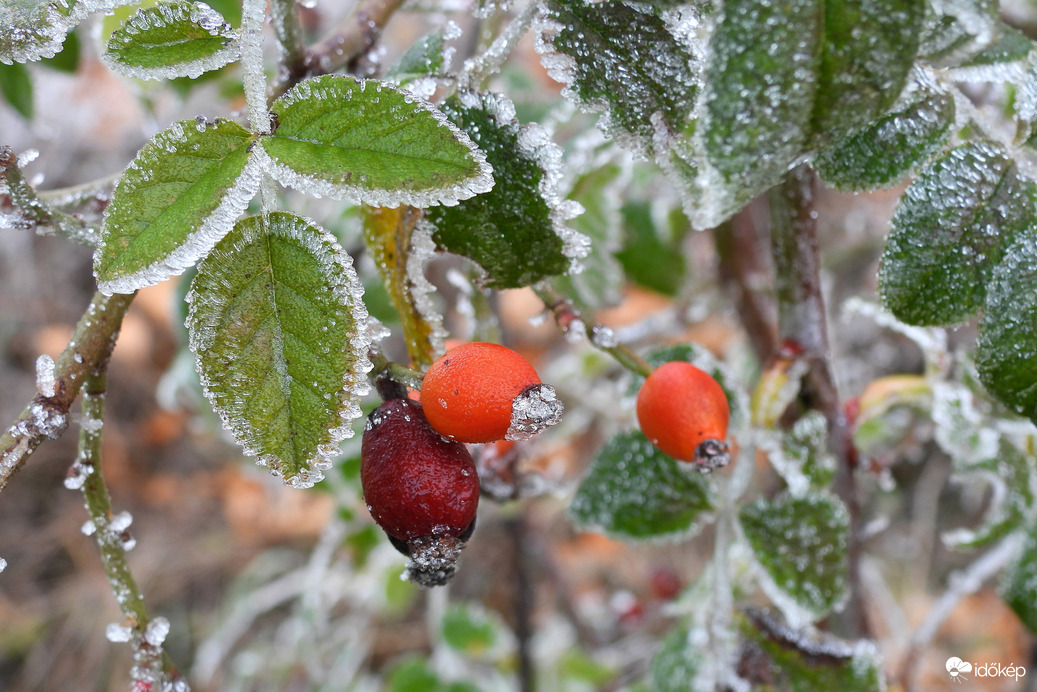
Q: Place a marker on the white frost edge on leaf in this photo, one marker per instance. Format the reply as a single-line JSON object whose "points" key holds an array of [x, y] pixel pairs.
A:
{"points": [[57, 26], [421, 251], [348, 290], [233, 203], [327, 87], [162, 15]]}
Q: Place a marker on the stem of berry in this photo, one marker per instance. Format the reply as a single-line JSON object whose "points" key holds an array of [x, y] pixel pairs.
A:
{"points": [[392, 379], [802, 319]]}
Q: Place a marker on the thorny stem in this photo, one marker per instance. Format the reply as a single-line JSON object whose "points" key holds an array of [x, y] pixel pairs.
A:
{"points": [[960, 585], [47, 417], [801, 319], [568, 320], [112, 543], [34, 212]]}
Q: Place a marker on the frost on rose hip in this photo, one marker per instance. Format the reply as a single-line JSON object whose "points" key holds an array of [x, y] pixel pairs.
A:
{"points": [[483, 392], [684, 412], [420, 487]]}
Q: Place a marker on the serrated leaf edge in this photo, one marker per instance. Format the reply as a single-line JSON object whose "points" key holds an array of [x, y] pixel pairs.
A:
{"points": [[61, 24], [355, 380], [201, 15]]}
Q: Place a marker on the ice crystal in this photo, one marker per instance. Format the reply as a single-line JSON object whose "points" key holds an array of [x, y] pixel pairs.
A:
{"points": [[118, 633], [536, 409], [46, 383]]}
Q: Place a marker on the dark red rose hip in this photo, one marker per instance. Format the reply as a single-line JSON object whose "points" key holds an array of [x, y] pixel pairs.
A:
{"points": [[420, 487]]}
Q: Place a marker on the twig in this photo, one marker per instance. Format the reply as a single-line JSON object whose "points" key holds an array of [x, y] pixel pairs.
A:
{"points": [[253, 77], [960, 585], [46, 417], [34, 212], [601, 337], [523, 600], [152, 664], [802, 320]]}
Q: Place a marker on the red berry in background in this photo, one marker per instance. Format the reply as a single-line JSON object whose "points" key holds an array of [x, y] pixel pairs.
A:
{"points": [[420, 487], [481, 392], [684, 412]]}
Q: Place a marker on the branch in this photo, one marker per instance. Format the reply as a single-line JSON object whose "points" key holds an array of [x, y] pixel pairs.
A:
{"points": [[152, 664], [601, 337], [802, 320], [32, 211], [46, 416]]}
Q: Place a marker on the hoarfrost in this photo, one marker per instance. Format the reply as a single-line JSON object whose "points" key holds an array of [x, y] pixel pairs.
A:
{"points": [[233, 203], [157, 631], [117, 633], [36, 30], [77, 475], [960, 429], [48, 420], [89, 528], [603, 337], [422, 250], [253, 14], [120, 522], [134, 32], [26, 157], [3, 564], [536, 409], [46, 383]]}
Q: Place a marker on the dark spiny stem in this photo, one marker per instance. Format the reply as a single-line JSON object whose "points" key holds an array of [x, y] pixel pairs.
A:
{"points": [[802, 319]]}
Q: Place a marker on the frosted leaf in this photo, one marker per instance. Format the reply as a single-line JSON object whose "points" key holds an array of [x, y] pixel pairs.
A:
{"points": [[1012, 479], [46, 384], [1006, 352], [401, 249], [1019, 584], [652, 255], [887, 150], [32, 30], [118, 633], [278, 326], [368, 141], [157, 631], [932, 341], [519, 232], [174, 38], [957, 30], [801, 455], [428, 57], [949, 232], [960, 430], [634, 491], [800, 544], [179, 196], [622, 60], [536, 409]]}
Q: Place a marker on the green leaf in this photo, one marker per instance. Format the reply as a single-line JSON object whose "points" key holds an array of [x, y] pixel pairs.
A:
{"points": [[805, 660], [469, 630], [427, 57], [887, 150], [783, 79], [620, 59], [647, 259], [32, 30], [676, 664], [1019, 583], [634, 491], [948, 233], [518, 231], [1011, 46], [278, 329], [369, 142], [174, 38], [179, 196], [16, 86], [1006, 353], [801, 456], [67, 59], [800, 543], [1012, 479], [954, 31]]}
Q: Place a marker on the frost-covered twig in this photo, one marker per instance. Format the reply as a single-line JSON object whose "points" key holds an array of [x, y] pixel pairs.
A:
{"points": [[959, 585], [802, 320], [46, 416], [152, 665], [601, 337], [30, 211], [253, 16]]}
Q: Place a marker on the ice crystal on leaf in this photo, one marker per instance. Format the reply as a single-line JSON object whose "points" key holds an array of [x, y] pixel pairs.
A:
{"points": [[278, 326], [32, 30], [371, 142]]}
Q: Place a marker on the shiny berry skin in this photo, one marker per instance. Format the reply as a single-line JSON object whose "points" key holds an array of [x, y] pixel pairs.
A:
{"points": [[417, 484], [471, 392], [684, 412]]}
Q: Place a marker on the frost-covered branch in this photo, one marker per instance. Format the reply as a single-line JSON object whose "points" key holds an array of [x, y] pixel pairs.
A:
{"points": [[46, 416], [27, 210], [802, 321], [152, 666], [601, 337], [253, 16]]}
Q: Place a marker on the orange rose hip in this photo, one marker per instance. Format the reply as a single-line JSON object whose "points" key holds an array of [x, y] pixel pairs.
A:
{"points": [[684, 412]]}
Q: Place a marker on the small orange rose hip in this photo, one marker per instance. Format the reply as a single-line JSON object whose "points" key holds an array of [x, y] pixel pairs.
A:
{"points": [[481, 392], [684, 412]]}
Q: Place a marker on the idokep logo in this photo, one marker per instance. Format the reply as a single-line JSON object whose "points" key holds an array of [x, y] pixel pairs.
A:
{"points": [[960, 670]]}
